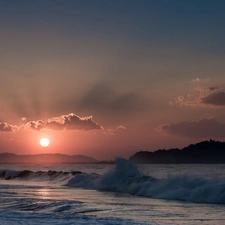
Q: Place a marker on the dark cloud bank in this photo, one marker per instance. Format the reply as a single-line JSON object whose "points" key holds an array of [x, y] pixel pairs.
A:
{"points": [[216, 99], [202, 97], [104, 99], [203, 128]]}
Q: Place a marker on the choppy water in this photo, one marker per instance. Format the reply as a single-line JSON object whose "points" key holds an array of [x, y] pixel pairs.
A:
{"points": [[112, 194]]}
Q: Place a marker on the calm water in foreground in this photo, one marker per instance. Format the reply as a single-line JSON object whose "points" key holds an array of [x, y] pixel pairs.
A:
{"points": [[112, 194]]}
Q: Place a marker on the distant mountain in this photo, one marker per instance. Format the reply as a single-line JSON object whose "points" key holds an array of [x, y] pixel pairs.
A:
{"points": [[44, 158], [202, 152]]}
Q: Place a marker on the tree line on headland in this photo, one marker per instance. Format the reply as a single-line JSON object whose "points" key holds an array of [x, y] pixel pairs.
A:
{"points": [[203, 152]]}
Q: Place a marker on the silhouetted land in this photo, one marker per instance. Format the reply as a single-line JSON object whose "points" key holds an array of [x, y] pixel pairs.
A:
{"points": [[44, 158], [202, 152]]}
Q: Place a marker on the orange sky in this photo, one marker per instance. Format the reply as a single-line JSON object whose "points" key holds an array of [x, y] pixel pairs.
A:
{"points": [[109, 79]]}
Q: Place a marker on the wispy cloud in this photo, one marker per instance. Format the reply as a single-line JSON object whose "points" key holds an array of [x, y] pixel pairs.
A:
{"points": [[203, 128], [200, 80], [5, 127], [117, 130], [105, 99], [201, 97]]}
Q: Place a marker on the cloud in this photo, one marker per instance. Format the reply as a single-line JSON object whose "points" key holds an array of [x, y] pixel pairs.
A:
{"points": [[213, 88], [26, 102], [105, 100], [8, 127], [216, 99], [198, 80], [119, 129], [36, 125], [201, 97], [72, 122], [203, 128], [112, 104], [64, 122]]}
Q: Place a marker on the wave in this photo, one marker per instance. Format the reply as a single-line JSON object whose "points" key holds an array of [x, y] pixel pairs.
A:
{"points": [[126, 178], [38, 175]]}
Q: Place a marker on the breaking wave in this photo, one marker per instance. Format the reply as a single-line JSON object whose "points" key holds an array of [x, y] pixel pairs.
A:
{"points": [[38, 175], [126, 178]]}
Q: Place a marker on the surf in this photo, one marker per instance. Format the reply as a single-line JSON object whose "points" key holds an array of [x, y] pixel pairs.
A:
{"points": [[125, 177]]}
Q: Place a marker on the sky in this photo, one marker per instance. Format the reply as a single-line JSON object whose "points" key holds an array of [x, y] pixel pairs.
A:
{"points": [[108, 78]]}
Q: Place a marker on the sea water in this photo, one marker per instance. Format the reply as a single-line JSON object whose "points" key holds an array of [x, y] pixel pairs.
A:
{"points": [[123, 193]]}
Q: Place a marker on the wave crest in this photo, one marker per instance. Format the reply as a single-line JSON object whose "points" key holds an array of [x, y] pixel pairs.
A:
{"points": [[126, 178], [38, 175]]}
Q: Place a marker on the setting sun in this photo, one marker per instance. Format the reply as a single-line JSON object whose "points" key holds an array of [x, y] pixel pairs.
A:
{"points": [[44, 142]]}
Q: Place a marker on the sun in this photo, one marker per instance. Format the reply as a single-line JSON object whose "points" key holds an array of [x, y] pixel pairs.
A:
{"points": [[44, 142]]}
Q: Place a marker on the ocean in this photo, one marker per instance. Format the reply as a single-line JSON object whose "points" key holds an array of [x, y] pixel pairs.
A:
{"points": [[123, 193]]}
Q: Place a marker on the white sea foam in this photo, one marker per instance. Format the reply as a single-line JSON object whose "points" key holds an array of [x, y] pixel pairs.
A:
{"points": [[126, 178], [45, 194]]}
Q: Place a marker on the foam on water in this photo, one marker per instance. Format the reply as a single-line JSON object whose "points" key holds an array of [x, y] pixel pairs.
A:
{"points": [[36, 211], [58, 195], [126, 178], [19, 218]]}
